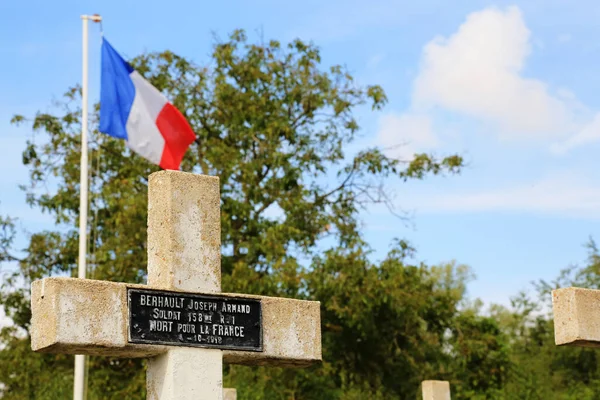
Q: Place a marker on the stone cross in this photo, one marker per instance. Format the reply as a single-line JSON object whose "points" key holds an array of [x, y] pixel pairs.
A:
{"points": [[179, 321], [576, 317], [435, 390]]}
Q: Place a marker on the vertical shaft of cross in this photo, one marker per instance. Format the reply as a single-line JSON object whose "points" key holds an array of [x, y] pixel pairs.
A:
{"points": [[184, 253], [184, 232]]}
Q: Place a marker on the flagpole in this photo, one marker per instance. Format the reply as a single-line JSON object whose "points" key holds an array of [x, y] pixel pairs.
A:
{"points": [[79, 384]]}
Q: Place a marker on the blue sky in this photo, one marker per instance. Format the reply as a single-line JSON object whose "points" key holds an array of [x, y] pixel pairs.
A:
{"points": [[513, 86]]}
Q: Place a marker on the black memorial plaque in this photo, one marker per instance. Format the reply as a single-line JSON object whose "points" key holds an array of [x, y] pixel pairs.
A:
{"points": [[184, 319]]}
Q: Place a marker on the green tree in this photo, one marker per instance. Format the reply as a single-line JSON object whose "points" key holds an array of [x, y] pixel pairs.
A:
{"points": [[538, 369], [275, 126], [385, 324]]}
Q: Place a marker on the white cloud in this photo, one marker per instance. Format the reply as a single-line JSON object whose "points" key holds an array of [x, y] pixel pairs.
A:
{"points": [[589, 134], [565, 194], [477, 72], [404, 135]]}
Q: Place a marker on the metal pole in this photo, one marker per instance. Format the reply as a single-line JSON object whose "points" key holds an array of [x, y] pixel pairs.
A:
{"points": [[78, 387], [79, 384]]}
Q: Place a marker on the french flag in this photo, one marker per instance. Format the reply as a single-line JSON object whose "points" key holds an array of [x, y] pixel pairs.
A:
{"points": [[134, 110]]}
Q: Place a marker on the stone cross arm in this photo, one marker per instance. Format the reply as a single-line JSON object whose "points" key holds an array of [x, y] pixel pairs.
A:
{"points": [[576, 316], [83, 316]]}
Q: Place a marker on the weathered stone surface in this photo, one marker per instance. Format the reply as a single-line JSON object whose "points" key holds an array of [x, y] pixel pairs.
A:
{"points": [[184, 232], [197, 370], [291, 332], [184, 254], [82, 316], [576, 316], [75, 316], [435, 390], [229, 394]]}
